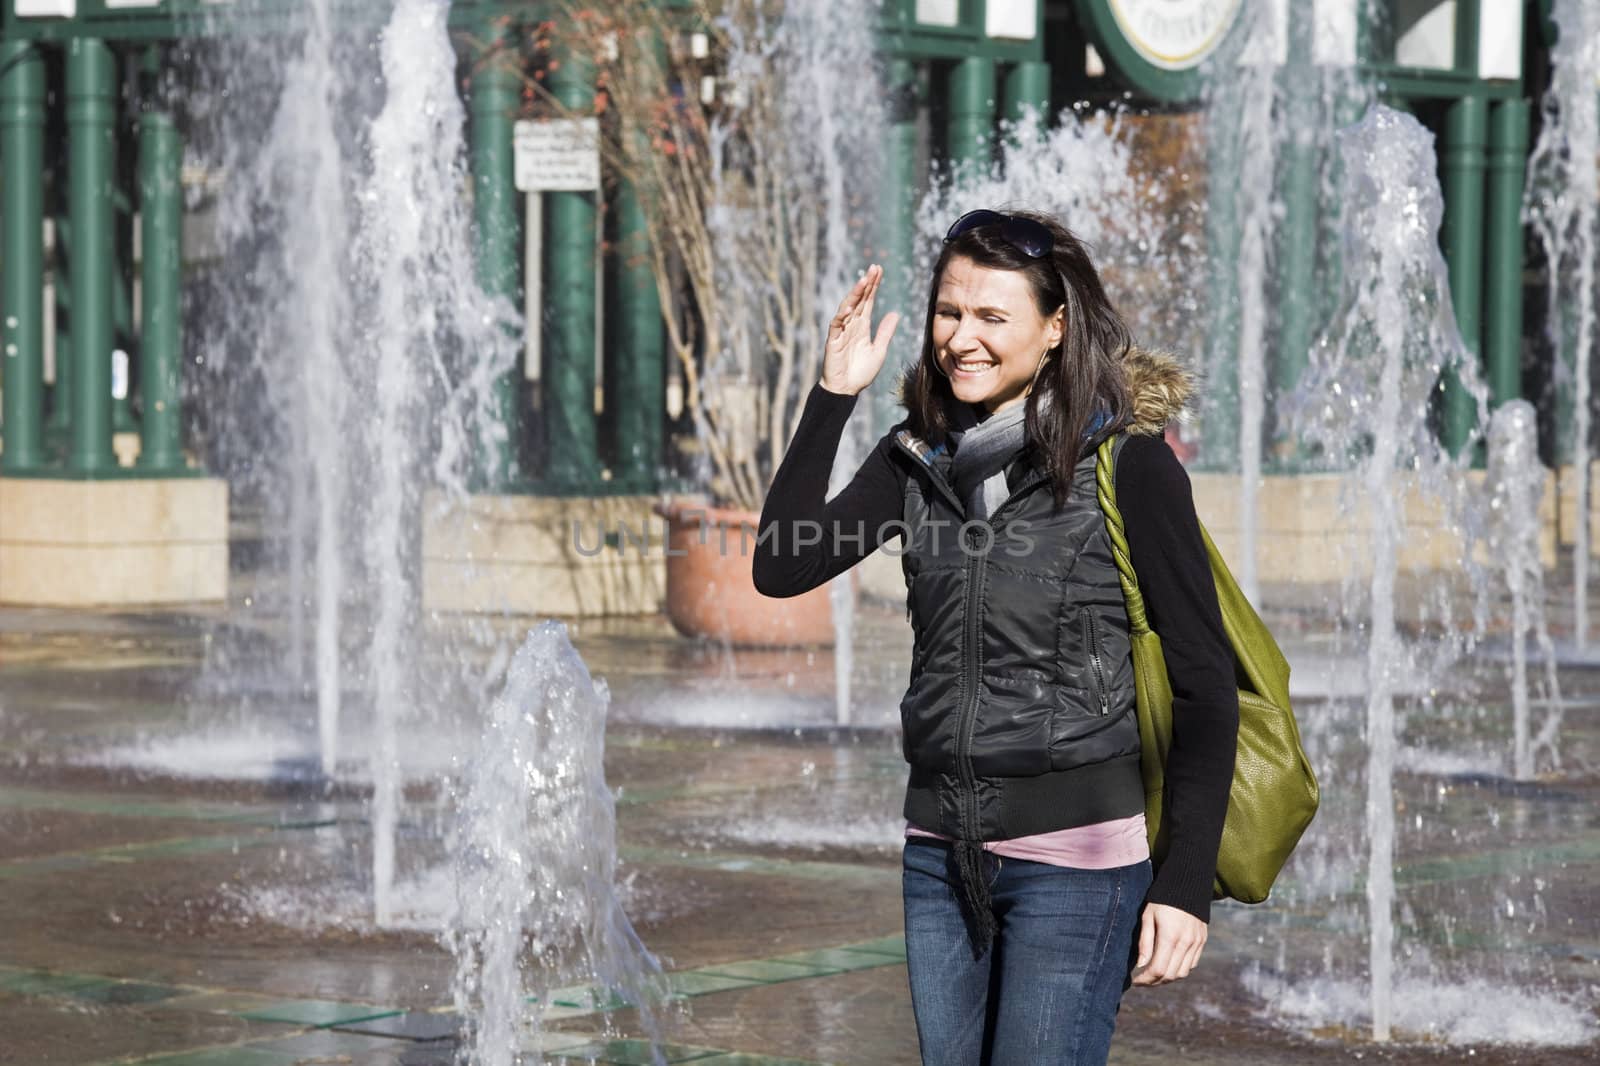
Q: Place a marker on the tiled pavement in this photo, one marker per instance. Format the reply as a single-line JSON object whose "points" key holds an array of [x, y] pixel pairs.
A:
{"points": [[365, 1031], [379, 1033], [129, 931]]}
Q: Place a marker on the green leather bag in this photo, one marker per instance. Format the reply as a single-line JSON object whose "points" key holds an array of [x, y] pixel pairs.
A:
{"points": [[1274, 794]]}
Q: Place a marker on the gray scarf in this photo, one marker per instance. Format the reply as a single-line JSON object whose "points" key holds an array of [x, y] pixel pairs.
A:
{"points": [[981, 453]]}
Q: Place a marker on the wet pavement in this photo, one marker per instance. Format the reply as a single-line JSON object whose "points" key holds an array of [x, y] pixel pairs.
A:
{"points": [[176, 888]]}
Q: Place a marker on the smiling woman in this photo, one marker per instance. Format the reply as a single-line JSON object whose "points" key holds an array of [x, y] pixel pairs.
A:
{"points": [[988, 335], [1019, 293], [1025, 802]]}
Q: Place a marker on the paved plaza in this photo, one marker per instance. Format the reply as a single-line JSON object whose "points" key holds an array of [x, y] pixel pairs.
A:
{"points": [[151, 912]]}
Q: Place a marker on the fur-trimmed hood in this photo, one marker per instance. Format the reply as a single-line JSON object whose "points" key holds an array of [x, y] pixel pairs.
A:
{"points": [[1158, 388]]}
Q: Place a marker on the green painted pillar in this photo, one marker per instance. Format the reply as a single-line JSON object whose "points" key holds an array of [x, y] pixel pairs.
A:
{"points": [[91, 172], [636, 363], [570, 245], [1502, 281], [972, 113], [22, 254], [1027, 91], [160, 342], [1298, 294], [492, 111], [1465, 137], [897, 231]]}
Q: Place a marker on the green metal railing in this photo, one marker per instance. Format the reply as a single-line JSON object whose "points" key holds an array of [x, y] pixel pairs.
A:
{"points": [[492, 104], [570, 251], [91, 169], [168, 20], [22, 116], [1509, 121], [1462, 159], [955, 73]]}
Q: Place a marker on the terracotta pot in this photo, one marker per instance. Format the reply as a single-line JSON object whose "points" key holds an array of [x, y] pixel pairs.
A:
{"points": [[710, 591]]}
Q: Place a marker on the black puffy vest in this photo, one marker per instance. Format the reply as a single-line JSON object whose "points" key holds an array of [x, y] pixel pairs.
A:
{"points": [[1019, 716]]}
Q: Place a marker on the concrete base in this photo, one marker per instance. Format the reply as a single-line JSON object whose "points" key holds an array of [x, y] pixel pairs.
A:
{"points": [[1308, 532], [569, 556], [1317, 528], [109, 543]]}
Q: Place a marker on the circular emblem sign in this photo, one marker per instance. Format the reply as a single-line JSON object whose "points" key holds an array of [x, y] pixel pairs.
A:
{"points": [[1158, 48], [1174, 34]]}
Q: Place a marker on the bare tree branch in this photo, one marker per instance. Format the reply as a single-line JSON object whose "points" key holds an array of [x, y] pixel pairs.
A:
{"points": [[731, 220]]}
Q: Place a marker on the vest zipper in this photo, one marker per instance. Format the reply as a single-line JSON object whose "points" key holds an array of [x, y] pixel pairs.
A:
{"points": [[969, 703], [1091, 638]]}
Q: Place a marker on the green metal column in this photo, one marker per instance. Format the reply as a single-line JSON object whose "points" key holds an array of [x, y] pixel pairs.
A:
{"points": [[22, 254], [1297, 247], [897, 234], [570, 298], [160, 344], [1027, 91], [493, 107], [91, 170], [1465, 137], [1502, 281], [972, 113], [636, 368]]}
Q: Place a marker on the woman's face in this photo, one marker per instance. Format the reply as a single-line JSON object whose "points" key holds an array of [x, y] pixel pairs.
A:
{"points": [[988, 335]]}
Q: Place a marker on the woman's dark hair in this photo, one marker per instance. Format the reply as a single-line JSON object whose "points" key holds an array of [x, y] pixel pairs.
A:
{"points": [[1082, 377]]}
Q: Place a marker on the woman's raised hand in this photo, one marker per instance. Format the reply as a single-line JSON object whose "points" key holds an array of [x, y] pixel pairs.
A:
{"points": [[853, 355]]}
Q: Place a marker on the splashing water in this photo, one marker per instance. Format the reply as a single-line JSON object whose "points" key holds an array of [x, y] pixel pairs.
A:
{"points": [[535, 853], [1368, 389], [1562, 201], [841, 121], [1516, 483], [1257, 156], [414, 230], [368, 285], [801, 74], [301, 164], [1083, 170], [1441, 1012]]}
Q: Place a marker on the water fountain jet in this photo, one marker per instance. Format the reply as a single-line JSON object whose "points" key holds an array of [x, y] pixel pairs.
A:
{"points": [[1380, 363], [1562, 201]]}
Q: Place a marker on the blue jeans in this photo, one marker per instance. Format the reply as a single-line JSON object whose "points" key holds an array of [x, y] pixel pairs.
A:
{"points": [[1046, 992]]}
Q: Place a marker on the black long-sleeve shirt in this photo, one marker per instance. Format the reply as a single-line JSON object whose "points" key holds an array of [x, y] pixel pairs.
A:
{"points": [[1168, 554]]}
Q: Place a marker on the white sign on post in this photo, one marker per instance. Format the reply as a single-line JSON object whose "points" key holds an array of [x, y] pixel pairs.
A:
{"points": [[1016, 20], [939, 12], [28, 9], [557, 155]]}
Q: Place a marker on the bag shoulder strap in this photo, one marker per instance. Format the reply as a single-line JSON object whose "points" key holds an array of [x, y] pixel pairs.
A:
{"points": [[1105, 472], [1259, 661]]}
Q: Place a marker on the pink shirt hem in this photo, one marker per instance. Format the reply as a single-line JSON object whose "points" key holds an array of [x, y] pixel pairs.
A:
{"points": [[1101, 846]]}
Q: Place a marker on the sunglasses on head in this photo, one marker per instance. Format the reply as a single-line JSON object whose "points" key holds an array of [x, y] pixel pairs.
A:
{"points": [[1030, 238]]}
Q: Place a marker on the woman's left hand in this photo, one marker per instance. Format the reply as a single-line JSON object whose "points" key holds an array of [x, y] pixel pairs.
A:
{"points": [[1170, 942]]}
